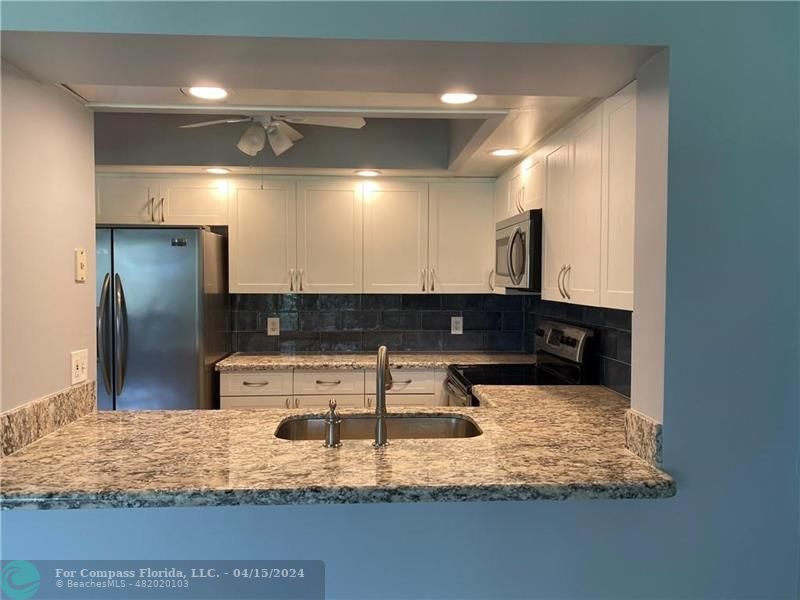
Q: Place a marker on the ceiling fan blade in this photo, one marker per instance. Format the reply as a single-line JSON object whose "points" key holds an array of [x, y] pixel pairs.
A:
{"points": [[288, 130], [217, 122], [278, 140], [347, 122]]}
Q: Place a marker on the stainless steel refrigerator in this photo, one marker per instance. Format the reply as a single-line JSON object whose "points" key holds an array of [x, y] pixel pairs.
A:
{"points": [[161, 317]]}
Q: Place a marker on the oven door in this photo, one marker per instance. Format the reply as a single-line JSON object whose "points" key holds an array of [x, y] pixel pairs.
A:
{"points": [[455, 395], [512, 262]]}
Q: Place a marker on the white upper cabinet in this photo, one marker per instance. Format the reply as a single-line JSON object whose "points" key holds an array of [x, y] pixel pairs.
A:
{"points": [[127, 200], [461, 237], [556, 215], [618, 199], [151, 200], [262, 236], [329, 236], [395, 237], [533, 185], [581, 280], [194, 200], [502, 205]]}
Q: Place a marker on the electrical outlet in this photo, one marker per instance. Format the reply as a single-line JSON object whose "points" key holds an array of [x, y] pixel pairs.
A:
{"points": [[456, 325], [79, 366], [273, 326], [80, 265]]}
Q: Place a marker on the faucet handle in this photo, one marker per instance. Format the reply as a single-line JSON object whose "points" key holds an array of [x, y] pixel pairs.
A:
{"points": [[332, 404]]}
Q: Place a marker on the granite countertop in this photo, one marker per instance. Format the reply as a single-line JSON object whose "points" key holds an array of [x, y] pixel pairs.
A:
{"points": [[397, 360], [550, 443]]}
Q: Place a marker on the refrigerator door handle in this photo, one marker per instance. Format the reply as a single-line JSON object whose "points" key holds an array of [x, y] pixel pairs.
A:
{"points": [[102, 318], [121, 334]]}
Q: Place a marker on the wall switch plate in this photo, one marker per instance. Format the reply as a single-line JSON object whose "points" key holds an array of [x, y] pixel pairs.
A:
{"points": [[456, 325], [273, 326], [81, 267], [79, 366]]}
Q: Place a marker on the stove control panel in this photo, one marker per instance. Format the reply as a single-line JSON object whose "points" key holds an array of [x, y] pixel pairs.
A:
{"points": [[561, 339]]}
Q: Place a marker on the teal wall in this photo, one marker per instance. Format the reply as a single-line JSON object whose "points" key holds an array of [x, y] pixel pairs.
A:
{"points": [[731, 390]]}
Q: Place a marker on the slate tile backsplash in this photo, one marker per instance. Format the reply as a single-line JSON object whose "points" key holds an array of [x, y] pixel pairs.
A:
{"points": [[609, 356], [362, 322]]}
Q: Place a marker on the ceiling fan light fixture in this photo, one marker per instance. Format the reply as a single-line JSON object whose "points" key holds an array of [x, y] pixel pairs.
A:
{"points": [[253, 140], [206, 92], [504, 151], [217, 170], [368, 173], [458, 97]]}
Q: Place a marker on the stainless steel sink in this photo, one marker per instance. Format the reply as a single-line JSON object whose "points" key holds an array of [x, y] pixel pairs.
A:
{"points": [[362, 427]]}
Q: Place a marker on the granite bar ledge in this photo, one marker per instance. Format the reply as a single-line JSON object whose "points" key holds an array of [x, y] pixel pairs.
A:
{"points": [[538, 443]]}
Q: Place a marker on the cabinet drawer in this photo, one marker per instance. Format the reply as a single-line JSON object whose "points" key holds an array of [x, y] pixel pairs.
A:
{"points": [[406, 381], [404, 400], [328, 382], [249, 402], [256, 383], [321, 401]]}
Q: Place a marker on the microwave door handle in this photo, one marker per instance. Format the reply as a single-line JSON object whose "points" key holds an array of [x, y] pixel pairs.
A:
{"points": [[515, 277]]}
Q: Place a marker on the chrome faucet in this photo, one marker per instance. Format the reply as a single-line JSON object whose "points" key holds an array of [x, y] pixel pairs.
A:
{"points": [[383, 382]]}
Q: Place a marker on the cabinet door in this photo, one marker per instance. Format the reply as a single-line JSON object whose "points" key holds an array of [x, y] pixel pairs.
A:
{"points": [[404, 400], [262, 236], [395, 237], [329, 236], [582, 278], [248, 402], [342, 401], [501, 198], [126, 200], [197, 200], [556, 216], [461, 238], [619, 188], [533, 186], [516, 191]]}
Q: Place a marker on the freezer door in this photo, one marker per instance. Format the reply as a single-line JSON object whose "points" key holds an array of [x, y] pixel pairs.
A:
{"points": [[105, 339], [157, 299]]}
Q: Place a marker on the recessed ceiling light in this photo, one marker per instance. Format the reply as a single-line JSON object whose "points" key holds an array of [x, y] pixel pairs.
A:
{"points": [[504, 152], [458, 98], [206, 93], [218, 170], [368, 173]]}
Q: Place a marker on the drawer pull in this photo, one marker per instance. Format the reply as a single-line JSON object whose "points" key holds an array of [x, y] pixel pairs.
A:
{"points": [[405, 382], [323, 382], [255, 383]]}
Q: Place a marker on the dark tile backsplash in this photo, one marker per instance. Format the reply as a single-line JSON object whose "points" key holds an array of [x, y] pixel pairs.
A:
{"points": [[362, 322], [421, 322], [609, 355]]}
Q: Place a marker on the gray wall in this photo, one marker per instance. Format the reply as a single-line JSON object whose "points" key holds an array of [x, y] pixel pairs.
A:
{"points": [[155, 139], [47, 212]]}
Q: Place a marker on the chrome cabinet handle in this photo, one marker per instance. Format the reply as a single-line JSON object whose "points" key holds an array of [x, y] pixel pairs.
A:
{"points": [[255, 383], [433, 280], [297, 402], [291, 280], [300, 280], [491, 276], [560, 274], [404, 382], [369, 401], [287, 402], [323, 382], [424, 278], [161, 204], [102, 351], [153, 209], [566, 292], [121, 334]]}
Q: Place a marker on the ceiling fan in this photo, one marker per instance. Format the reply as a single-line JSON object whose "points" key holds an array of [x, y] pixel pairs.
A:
{"points": [[276, 130]]}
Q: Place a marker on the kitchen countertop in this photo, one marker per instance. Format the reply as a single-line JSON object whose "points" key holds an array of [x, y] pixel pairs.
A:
{"points": [[397, 360], [551, 443]]}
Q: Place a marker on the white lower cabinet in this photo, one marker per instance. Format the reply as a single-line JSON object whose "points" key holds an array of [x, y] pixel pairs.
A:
{"points": [[248, 402], [321, 401]]}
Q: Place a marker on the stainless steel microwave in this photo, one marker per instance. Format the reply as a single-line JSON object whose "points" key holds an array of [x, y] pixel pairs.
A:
{"points": [[518, 251]]}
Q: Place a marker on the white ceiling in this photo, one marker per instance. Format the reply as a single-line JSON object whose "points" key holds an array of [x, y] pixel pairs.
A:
{"points": [[525, 90]]}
